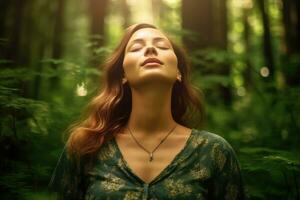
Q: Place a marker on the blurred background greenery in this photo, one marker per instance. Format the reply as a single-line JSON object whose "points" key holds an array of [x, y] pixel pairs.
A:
{"points": [[245, 56]]}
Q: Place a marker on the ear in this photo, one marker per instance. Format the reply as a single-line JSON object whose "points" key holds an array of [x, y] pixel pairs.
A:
{"points": [[178, 76], [124, 80]]}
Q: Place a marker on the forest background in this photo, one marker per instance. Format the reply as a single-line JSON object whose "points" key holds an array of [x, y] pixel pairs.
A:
{"points": [[245, 56]]}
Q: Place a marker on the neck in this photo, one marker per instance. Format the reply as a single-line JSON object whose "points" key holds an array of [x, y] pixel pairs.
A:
{"points": [[151, 110]]}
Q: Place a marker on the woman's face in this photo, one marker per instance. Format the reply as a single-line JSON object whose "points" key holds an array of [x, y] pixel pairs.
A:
{"points": [[149, 56]]}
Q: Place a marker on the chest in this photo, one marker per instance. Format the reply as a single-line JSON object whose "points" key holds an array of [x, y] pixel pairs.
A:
{"points": [[138, 159]]}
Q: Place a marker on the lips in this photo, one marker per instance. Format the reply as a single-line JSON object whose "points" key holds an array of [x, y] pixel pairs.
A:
{"points": [[152, 60]]}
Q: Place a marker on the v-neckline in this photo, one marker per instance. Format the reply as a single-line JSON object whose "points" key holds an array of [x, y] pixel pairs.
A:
{"points": [[164, 170]]}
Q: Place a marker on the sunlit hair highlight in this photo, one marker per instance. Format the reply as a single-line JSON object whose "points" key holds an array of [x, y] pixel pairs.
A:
{"points": [[109, 111]]}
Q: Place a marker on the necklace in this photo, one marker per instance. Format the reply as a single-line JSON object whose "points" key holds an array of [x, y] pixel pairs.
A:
{"points": [[151, 153]]}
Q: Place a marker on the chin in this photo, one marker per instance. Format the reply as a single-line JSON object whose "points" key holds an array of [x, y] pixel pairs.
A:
{"points": [[154, 79]]}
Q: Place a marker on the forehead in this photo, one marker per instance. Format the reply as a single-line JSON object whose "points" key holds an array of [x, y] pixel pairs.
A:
{"points": [[147, 33]]}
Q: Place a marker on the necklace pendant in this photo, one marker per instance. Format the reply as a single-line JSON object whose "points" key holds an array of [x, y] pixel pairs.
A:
{"points": [[151, 157]]}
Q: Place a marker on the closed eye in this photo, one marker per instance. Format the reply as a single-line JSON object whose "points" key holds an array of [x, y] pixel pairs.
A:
{"points": [[136, 47], [162, 45]]}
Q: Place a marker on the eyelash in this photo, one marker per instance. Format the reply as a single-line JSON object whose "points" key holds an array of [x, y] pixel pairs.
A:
{"points": [[163, 47], [137, 49]]}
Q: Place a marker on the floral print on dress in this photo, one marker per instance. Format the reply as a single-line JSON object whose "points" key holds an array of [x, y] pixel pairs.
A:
{"points": [[176, 188], [206, 168]]}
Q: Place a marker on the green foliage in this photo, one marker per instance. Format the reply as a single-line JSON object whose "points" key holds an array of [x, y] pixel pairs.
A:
{"points": [[277, 170], [261, 123], [28, 125], [41, 96]]}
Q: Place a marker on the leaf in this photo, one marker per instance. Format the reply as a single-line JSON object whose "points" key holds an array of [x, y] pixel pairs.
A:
{"points": [[266, 158]]}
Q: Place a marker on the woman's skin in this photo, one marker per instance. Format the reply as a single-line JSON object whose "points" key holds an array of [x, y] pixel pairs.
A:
{"points": [[151, 85], [151, 119]]}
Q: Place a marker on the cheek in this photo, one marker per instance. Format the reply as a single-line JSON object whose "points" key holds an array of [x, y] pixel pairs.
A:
{"points": [[128, 64], [172, 61]]}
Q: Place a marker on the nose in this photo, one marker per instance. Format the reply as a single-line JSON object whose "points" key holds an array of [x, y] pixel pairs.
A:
{"points": [[150, 51]]}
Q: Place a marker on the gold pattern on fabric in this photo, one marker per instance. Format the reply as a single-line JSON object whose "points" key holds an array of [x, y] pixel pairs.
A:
{"points": [[112, 183], [231, 191], [177, 187], [130, 195], [218, 156], [199, 196], [107, 152], [206, 158], [120, 162], [199, 141], [235, 168], [200, 173]]}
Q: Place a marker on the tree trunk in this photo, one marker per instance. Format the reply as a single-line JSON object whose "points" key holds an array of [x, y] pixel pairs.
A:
{"points": [[125, 11], [267, 46], [37, 82], [206, 20], [291, 22], [13, 53], [97, 10], [58, 38], [220, 24], [248, 71], [4, 7], [197, 17], [160, 12]]}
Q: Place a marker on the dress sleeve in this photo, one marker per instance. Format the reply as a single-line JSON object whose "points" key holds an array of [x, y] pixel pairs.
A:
{"points": [[67, 179], [227, 182]]}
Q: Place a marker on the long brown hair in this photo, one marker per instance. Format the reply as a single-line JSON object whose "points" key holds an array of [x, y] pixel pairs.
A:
{"points": [[109, 111]]}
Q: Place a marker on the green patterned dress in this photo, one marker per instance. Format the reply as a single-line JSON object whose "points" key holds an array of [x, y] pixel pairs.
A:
{"points": [[206, 168]]}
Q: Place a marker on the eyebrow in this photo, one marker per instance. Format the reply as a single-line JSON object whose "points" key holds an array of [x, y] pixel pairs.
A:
{"points": [[142, 40]]}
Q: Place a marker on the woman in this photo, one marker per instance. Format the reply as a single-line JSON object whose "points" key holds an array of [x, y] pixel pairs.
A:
{"points": [[134, 144]]}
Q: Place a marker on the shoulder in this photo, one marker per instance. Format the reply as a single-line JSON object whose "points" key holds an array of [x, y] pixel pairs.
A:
{"points": [[211, 137], [216, 147], [212, 141]]}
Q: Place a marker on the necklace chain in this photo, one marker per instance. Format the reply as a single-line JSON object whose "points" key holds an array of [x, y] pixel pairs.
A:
{"points": [[151, 153]]}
